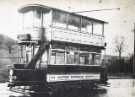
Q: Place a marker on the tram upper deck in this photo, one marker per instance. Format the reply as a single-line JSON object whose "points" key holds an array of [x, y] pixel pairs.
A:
{"points": [[61, 26]]}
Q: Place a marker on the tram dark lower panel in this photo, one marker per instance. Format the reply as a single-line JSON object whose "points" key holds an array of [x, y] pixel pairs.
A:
{"points": [[36, 78], [73, 69]]}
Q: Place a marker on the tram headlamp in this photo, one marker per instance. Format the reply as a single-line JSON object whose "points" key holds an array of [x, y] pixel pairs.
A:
{"points": [[11, 72]]}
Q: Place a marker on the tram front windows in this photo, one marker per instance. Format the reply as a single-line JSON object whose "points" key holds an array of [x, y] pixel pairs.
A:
{"points": [[59, 19]]}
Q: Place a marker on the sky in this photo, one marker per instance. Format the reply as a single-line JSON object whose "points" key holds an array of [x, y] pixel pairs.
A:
{"points": [[120, 22]]}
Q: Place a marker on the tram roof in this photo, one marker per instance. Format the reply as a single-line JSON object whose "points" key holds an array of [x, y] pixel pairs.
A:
{"points": [[31, 6]]}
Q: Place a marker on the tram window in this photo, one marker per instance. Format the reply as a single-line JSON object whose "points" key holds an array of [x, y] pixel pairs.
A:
{"points": [[60, 58], [28, 54], [70, 58], [84, 58], [37, 17], [34, 18], [25, 53], [53, 58], [76, 60], [86, 25], [94, 59], [91, 59], [22, 54], [74, 22], [97, 59], [47, 18], [59, 19], [97, 28], [28, 19], [57, 58]]}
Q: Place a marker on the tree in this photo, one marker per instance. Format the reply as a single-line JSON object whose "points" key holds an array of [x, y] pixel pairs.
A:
{"points": [[119, 46]]}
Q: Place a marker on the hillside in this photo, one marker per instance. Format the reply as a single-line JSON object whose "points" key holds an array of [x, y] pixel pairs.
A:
{"points": [[7, 52]]}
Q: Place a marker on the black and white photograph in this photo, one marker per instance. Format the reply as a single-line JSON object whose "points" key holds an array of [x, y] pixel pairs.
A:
{"points": [[67, 48]]}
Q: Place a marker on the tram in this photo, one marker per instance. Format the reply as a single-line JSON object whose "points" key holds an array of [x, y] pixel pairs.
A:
{"points": [[57, 48]]}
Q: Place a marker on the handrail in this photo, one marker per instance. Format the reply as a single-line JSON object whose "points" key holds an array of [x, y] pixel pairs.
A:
{"points": [[82, 32]]}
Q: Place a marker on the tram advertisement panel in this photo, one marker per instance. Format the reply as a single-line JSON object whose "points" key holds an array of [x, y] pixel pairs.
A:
{"points": [[72, 77]]}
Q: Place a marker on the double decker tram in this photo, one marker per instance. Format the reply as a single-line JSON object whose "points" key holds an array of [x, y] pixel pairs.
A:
{"points": [[58, 49]]}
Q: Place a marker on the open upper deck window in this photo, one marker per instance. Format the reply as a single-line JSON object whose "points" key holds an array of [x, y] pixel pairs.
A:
{"points": [[47, 17], [74, 22], [32, 18], [86, 25], [98, 28], [36, 17], [28, 19], [59, 19]]}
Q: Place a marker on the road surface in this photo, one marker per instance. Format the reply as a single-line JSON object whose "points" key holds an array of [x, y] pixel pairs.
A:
{"points": [[116, 88]]}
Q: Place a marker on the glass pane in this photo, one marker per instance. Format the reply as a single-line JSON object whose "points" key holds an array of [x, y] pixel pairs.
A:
{"points": [[76, 58], [70, 59], [93, 59], [59, 19], [90, 59], [74, 22], [97, 28], [22, 54], [28, 19], [47, 18], [84, 58], [86, 25], [60, 58], [53, 61], [37, 17], [29, 53], [97, 59]]}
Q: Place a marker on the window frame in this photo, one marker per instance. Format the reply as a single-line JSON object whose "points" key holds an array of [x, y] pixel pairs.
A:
{"points": [[75, 56], [55, 51]]}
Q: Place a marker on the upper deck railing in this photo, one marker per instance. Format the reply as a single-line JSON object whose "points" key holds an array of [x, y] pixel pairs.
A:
{"points": [[64, 35]]}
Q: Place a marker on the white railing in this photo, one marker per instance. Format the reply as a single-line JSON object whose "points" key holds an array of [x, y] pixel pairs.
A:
{"points": [[59, 34]]}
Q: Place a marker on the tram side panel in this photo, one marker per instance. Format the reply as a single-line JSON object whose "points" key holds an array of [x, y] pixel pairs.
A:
{"points": [[60, 74]]}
